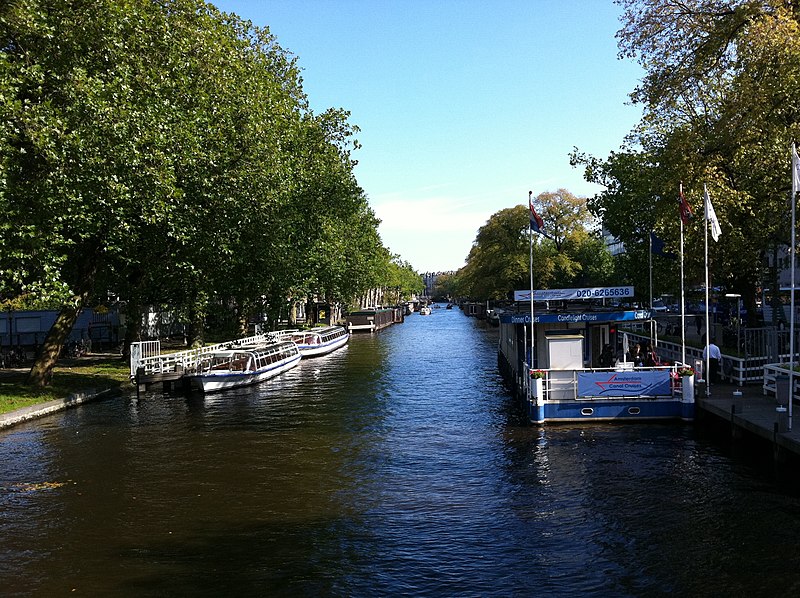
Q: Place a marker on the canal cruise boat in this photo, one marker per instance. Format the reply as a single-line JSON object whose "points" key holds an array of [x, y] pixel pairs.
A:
{"points": [[553, 365], [243, 366], [320, 341]]}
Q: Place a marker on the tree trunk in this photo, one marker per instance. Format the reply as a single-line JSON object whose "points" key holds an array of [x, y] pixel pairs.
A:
{"points": [[42, 371], [133, 326], [197, 321]]}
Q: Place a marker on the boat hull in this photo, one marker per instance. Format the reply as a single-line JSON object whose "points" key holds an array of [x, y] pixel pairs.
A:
{"points": [[610, 409]]}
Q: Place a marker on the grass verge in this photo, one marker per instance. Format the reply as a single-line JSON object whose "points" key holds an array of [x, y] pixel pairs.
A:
{"points": [[69, 377]]}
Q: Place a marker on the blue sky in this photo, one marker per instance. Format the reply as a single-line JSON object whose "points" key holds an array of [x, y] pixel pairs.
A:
{"points": [[463, 105]]}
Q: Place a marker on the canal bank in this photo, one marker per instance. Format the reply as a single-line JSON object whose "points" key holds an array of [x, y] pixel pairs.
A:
{"points": [[76, 381], [19, 416]]}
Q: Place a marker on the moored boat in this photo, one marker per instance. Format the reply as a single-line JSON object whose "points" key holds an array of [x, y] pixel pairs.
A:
{"points": [[493, 316], [243, 366], [554, 359], [369, 320], [320, 341]]}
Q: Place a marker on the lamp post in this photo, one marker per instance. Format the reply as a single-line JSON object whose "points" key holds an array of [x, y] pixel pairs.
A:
{"points": [[738, 319]]}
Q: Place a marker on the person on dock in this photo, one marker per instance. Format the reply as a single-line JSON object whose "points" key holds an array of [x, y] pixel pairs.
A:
{"points": [[712, 355]]}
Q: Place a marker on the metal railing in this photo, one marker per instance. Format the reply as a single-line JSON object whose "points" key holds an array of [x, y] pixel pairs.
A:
{"points": [[758, 348], [147, 354], [555, 382], [775, 371]]}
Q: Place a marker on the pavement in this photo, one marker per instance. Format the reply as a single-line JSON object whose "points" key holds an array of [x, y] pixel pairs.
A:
{"points": [[38, 410]]}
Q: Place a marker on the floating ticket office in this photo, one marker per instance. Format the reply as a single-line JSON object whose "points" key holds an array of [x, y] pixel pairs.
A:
{"points": [[556, 372]]}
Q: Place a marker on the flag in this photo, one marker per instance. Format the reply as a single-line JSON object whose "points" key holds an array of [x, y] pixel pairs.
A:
{"points": [[657, 247], [711, 216], [685, 208], [537, 224], [795, 172]]}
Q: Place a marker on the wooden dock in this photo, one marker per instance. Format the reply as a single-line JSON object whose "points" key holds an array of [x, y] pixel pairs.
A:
{"points": [[752, 413]]}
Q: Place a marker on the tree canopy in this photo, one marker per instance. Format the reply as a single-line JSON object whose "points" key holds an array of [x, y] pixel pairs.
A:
{"points": [[570, 253], [166, 151], [720, 98]]}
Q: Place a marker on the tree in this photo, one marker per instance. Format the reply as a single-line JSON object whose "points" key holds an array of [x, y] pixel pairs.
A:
{"points": [[446, 287], [719, 96], [402, 280], [166, 151], [499, 260], [639, 199], [567, 223]]}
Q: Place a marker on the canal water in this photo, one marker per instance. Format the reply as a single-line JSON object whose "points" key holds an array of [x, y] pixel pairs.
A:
{"points": [[396, 466]]}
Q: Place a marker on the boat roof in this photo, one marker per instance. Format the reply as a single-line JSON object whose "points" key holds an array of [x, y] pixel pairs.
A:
{"points": [[572, 311], [320, 330], [255, 348]]}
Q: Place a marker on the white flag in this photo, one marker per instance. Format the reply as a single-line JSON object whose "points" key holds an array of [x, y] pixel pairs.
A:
{"points": [[711, 216], [795, 172]]}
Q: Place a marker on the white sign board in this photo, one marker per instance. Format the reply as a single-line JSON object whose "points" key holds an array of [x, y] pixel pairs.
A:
{"points": [[584, 293]]}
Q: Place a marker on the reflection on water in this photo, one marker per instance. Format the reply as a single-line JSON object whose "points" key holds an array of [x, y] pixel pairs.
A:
{"points": [[398, 465]]}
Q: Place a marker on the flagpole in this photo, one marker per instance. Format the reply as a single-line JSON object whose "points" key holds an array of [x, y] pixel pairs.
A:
{"points": [[791, 316], [651, 270], [683, 298], [708, 323], [533, 330], [652, 322]]}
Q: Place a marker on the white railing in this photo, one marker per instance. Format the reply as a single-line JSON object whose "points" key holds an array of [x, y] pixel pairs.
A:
{"points": [[565, 382], [735, 369], [771, 374], [147, 355]]}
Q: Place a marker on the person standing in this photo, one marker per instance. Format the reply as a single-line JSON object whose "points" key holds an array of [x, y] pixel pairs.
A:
{"points": [[606, 357], [712, 355], [637, 356]]}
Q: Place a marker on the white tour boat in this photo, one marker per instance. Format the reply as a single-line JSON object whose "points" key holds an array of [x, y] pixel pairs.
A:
{"points": [[320, 341], [243, 366]]}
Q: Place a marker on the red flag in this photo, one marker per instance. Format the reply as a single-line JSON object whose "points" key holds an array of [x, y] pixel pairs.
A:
{"points": [[685, 208], [537, 224]]}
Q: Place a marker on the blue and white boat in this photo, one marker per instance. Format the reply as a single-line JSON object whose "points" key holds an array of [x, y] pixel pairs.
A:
{"points": [[320, 341], [243, 366], [552, 365]]}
